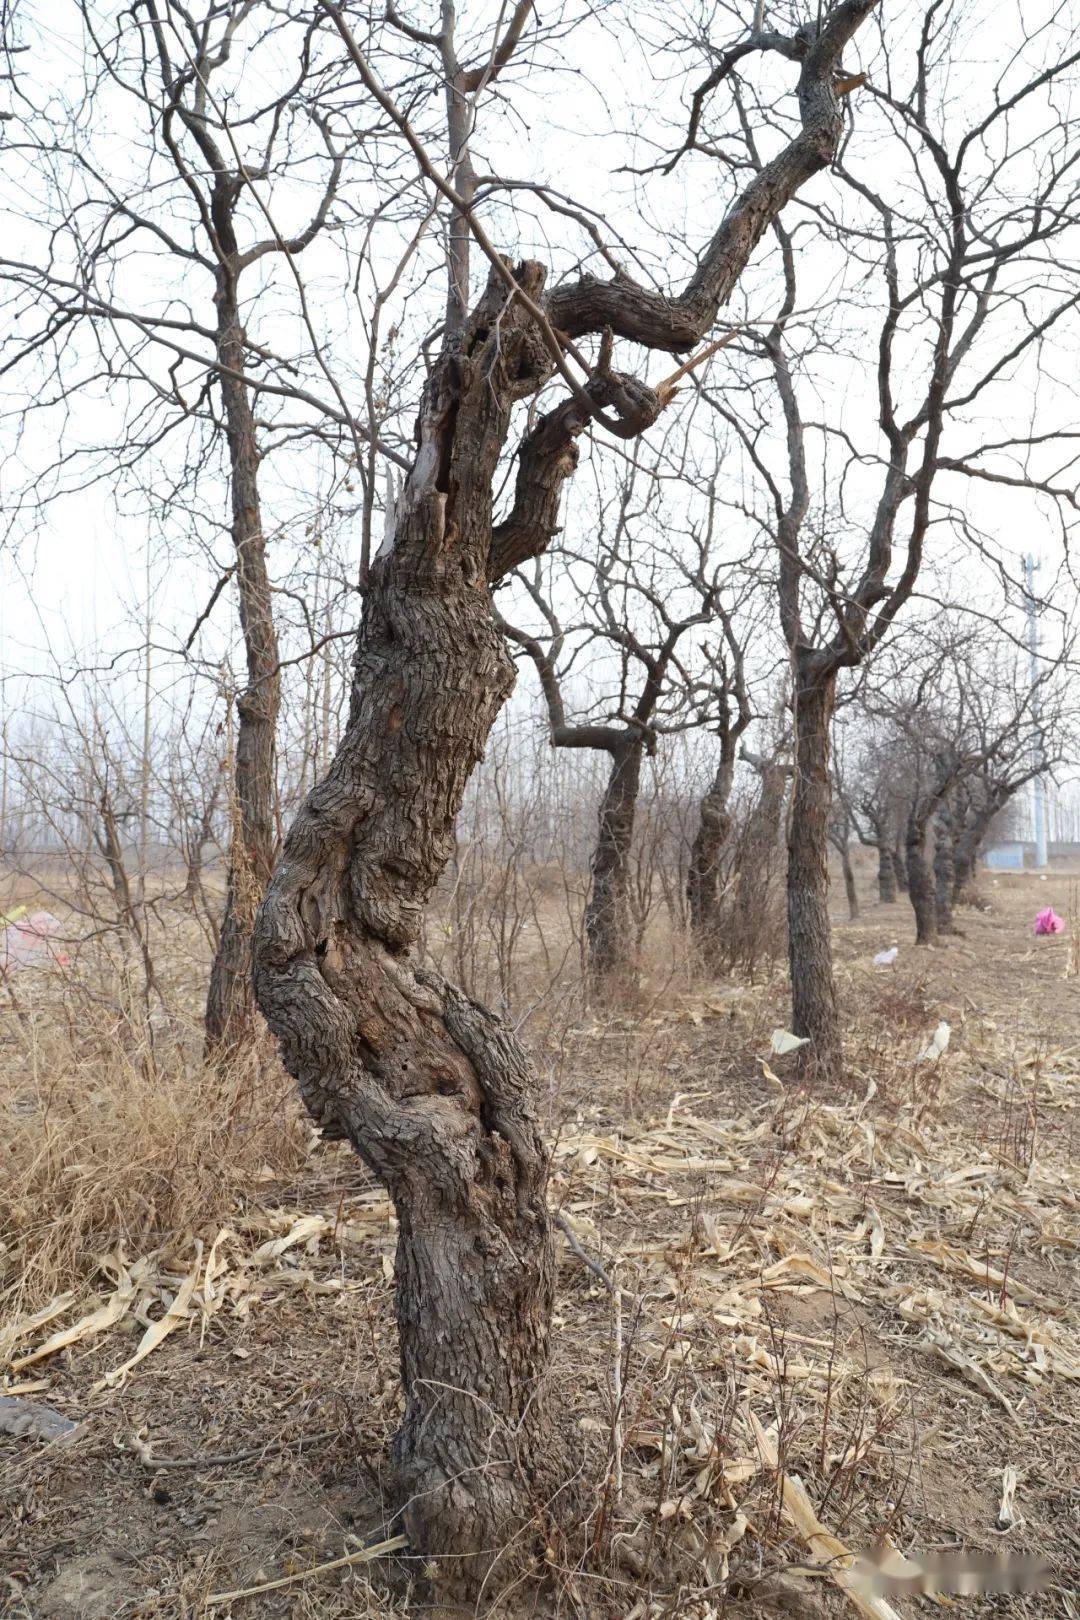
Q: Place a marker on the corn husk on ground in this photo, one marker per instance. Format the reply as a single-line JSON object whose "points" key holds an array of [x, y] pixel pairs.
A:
{"points": [[807, 1341]]}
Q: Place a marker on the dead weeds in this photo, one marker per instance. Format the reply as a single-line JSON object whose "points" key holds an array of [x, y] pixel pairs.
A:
{"points": [[791, 1328]]}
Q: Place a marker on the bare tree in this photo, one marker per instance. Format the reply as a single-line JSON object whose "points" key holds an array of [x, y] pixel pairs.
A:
{"points": [[958, 247], [436, 1095], [869, 784], [1014, 741], [639, 606], [189, 52], [750, 931], [959, 711], [175, 342], [729, 716], [841, 827]]}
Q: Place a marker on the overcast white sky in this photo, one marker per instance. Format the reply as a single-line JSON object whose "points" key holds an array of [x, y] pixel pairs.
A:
{"points": [[73, 586]]}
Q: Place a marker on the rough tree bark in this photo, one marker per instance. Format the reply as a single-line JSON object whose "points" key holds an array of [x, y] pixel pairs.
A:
{"points": [[230, 1005], [920, 881], [434, 1093], [899, 866], [703, 876], [813, 990], [607, 913], [944, 867]]}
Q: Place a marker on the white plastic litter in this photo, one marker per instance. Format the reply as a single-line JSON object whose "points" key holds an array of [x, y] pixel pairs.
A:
{"points": [[783, 1041], [887, 958], [939, 1044]]}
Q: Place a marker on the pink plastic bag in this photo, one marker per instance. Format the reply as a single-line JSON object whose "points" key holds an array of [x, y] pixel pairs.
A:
{"points": [[1048, 922], [30, 943]]}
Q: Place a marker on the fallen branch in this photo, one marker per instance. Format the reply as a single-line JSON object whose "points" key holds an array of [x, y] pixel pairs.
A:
{"points": [[366, 1555]]}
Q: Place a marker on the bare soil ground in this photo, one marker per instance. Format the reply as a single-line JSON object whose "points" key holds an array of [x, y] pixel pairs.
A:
{"points": [[789, 1326]]}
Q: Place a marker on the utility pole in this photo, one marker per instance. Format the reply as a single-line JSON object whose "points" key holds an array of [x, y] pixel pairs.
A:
{"points": [[1038, 786]]}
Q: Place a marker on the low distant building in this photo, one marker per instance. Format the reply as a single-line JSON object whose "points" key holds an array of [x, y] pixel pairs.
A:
{"points": [[1014, 855]]}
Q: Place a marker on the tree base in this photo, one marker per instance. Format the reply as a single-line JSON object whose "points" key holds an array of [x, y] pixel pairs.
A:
{"points": [[496, 1523]]}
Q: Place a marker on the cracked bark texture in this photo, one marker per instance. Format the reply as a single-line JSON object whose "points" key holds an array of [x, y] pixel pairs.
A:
{"points": [[435, 1094], [607, 913], [706, 853], [813, 991]]}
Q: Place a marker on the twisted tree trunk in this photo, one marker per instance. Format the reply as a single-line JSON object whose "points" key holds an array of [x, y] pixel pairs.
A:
{"points": [[607, 913], [435, 1093], [230, 1005], [899, 866], [813, 990]]}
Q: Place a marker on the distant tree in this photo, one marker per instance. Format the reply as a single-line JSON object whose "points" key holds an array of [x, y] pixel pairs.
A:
{"points": [[637, 608], [959, 242]]}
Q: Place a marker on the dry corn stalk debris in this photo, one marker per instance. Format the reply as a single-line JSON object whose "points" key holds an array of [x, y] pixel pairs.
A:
{"points": [[884, 1214], [186, 1283], [707, 1222]]}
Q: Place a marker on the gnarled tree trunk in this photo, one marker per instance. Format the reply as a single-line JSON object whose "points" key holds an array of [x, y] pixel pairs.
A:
{"points": [[813, 990], [435, 1093], [607, 914], [230, 1005], [899, 866]]}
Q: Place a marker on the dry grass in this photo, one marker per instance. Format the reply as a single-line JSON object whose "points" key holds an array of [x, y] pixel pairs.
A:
{"points": [[868, 1293], [110, 1147]]}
